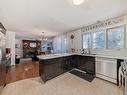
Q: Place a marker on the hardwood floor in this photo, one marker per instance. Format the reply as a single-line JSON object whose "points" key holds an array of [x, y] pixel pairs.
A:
{"points": [[22, 71]]}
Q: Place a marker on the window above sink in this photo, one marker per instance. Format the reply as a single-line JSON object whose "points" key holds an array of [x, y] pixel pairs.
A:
{"points": [[115, 38], [98, 39], [111, 38]]}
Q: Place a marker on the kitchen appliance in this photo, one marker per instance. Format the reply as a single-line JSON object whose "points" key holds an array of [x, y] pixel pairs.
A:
{"points": [[106, 68], [2, 56]]}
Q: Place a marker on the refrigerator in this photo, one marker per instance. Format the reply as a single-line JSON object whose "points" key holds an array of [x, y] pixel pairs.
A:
{"points": [[2, 56]]}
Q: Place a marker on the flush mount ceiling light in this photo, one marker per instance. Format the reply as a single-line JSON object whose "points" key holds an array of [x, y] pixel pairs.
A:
{"points": [[78, 2]]}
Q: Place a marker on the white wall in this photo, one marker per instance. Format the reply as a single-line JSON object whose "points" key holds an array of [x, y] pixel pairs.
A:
{"points": [[116, 52], [10, 36], [70, 43], [77, 42], [59, 44], [63, 43]]}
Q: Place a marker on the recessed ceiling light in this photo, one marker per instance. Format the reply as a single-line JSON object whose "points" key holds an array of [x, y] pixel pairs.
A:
{"points": [[78, 2]]}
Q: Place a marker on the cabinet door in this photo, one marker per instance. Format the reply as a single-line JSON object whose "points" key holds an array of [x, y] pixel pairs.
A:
{"points": [[52, 69], [87, 64], [66, 64], [90, 67], [81, 63], [58, 66], [41, 68], [74, 61]]}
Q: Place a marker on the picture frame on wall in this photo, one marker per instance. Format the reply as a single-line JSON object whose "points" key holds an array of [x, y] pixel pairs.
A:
{"points": [[17, 46]]}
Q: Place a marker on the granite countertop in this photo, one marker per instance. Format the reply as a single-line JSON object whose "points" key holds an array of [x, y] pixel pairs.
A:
{"points": [[51, 56]]}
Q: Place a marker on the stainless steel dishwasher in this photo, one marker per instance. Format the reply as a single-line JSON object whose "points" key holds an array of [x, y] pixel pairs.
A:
{"points": [[106, 68]]}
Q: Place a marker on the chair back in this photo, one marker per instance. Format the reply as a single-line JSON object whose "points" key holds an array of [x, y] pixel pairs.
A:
{"points": [[124, 67]]}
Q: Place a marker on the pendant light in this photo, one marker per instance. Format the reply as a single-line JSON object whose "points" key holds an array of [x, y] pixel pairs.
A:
{"points": [[43, 37]]}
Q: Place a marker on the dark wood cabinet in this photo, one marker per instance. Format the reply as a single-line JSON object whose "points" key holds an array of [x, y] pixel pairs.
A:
{"points": [[51, 68], [74, 61], [87, 64], [66, 63]]}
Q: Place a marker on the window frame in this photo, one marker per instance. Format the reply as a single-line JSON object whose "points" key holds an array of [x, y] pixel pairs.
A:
{"points": [[104, 31], [106, 38], [124, 38], [90, 40]]}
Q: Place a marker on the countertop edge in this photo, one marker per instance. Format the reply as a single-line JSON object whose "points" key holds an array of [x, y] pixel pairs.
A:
{"points": [[44, 57]]}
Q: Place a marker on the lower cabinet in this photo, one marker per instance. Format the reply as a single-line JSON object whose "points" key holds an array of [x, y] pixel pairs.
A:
{"points": [[51, 68], [66, 64], [86, 64], [74, 61]]}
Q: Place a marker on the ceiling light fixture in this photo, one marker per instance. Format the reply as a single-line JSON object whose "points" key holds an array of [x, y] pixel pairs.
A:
{"points": [[78, 2], [43, 37]]}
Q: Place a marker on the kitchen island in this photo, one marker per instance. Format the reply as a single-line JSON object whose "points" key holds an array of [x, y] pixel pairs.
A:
{"points": [[50, 56], [53, 65]]}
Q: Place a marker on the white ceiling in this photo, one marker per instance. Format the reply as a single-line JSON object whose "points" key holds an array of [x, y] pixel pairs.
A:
{"points": [[31, 17]]}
